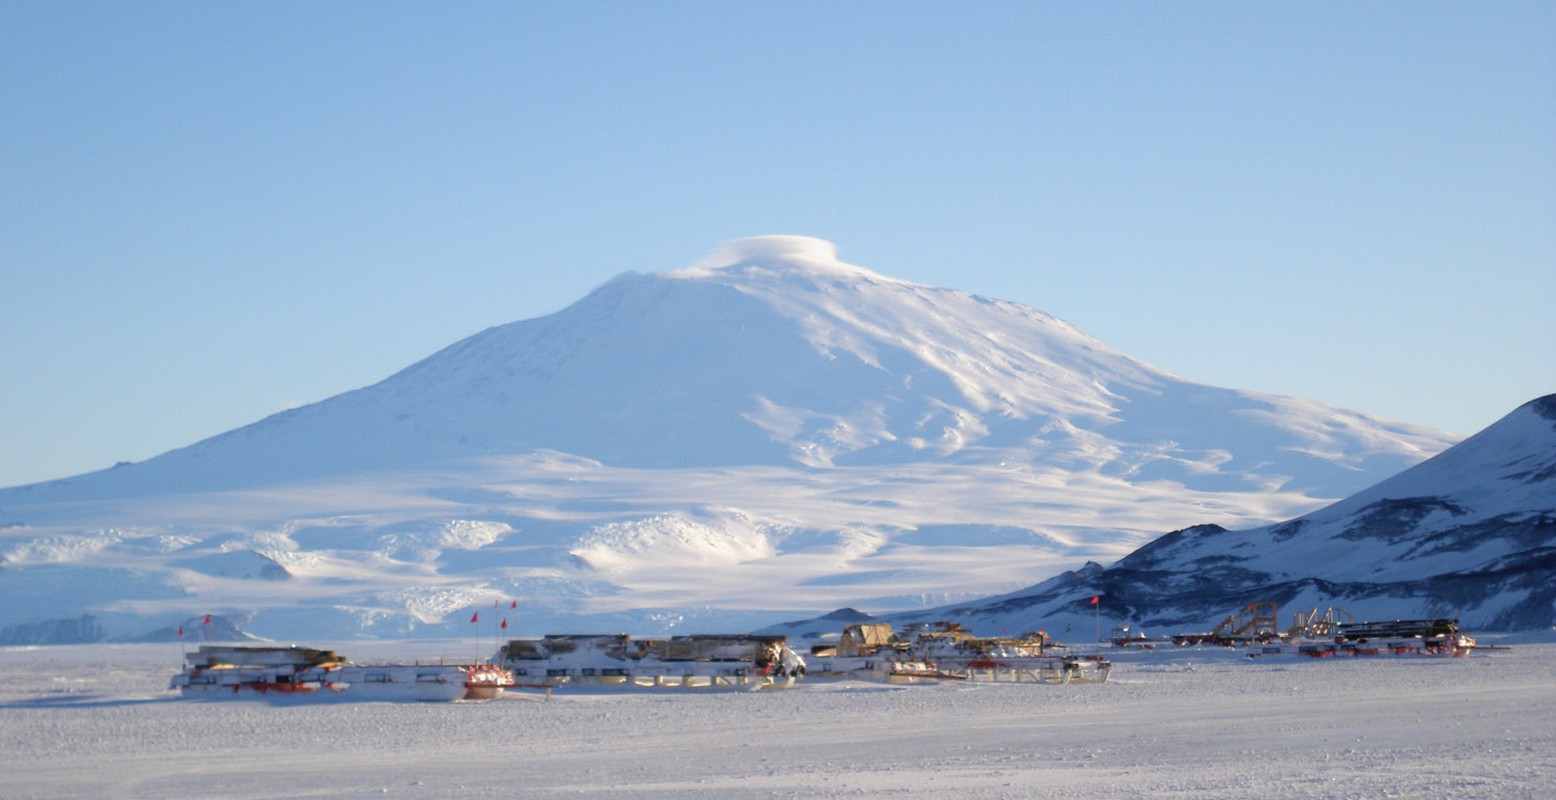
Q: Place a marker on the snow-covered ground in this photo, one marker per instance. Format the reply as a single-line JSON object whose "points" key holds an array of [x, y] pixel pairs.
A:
{"points": [[89, 721]]}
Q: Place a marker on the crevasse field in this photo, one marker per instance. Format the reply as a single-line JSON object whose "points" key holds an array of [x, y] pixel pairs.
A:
{"points": [[96, 721]]}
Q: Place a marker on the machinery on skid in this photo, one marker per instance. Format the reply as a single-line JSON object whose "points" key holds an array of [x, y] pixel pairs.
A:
{"points": [[618, 660], [945, 651], [1334, 632], [1255, 623], [275, 672]]}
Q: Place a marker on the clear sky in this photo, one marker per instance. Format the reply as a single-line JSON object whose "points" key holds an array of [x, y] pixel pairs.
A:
{"points": [[210, 212]]}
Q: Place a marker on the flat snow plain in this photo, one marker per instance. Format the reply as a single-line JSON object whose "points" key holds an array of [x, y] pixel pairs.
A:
{"points": [[96, 721]]}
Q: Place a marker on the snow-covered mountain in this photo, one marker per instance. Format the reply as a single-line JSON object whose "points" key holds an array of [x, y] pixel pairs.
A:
{"points": [[1470, 534], [768, 431]]}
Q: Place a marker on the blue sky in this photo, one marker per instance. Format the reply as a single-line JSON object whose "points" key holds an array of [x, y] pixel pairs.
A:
{"points": [[212, 212]]}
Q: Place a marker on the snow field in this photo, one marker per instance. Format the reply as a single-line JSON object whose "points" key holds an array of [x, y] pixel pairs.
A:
{"points": [[96, 721]]}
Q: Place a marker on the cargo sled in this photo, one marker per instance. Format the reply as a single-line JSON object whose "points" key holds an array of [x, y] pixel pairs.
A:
{"points": [[703, 661], [217, 671], [943, 651]]}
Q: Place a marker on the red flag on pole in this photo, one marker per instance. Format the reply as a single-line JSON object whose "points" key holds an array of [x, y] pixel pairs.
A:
{"points": [[207, 620], [1095, 599], [475, 617], [505, 623], [513, 604], [180, 631]]}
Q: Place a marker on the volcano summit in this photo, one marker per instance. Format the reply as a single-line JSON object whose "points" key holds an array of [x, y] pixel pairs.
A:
{"points": [[766, 433]]}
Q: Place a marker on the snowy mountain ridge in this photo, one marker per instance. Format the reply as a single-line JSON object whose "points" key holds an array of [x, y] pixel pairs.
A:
{"points": [[767, 431], [1469, 534]]}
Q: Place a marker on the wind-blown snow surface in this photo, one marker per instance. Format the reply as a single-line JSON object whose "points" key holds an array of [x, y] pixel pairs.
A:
{"points": [[769, 432], [1469, 534], [1180, 723]]}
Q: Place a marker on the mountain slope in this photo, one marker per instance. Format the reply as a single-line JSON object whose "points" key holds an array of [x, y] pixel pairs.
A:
{"points": [[773, 352], [1470, 533], [768, 430]]}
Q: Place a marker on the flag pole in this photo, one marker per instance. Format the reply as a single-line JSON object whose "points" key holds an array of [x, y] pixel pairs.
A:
{"points": [[1097, 602]]}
